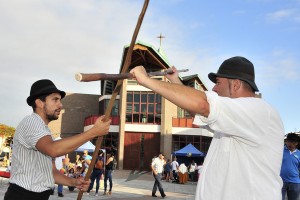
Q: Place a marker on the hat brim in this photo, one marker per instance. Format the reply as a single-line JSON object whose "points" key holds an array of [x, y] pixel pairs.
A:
{"points": [[213, 77], [292, 140], [31, 98]]}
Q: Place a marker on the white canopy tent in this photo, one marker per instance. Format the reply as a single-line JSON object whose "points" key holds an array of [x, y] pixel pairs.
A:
{"points": [[91, 148], [86, 146]]}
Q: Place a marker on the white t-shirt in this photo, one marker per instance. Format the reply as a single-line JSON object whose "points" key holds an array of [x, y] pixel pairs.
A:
{"points": [[244, 158], [193, 167], [158, 164], [182, 168], [174, 165], [59, 162]]}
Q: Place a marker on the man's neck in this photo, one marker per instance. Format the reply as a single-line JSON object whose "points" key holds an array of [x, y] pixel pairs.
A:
{"points": [[292, 150], [42, 115]]}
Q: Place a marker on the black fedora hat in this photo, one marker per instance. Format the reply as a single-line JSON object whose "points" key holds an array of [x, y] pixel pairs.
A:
{"points": [[293, 137], [236, 68], [42, 87]]}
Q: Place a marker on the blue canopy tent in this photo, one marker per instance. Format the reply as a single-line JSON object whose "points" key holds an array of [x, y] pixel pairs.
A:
{"points": [[189, 153]]}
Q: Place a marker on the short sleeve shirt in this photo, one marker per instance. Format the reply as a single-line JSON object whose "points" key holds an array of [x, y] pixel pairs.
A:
{"points": [[30, 168], [158, 165], [246, 150]]}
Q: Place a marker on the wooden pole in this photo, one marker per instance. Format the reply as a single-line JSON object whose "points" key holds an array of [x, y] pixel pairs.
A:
{"points": [[102, 76]]}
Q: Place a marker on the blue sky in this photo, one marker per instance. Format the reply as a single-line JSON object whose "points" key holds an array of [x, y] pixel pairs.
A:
{"points": [[56, 39]]}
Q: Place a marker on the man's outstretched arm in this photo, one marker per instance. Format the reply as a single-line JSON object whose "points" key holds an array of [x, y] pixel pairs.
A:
{"points": [[190, 99]]}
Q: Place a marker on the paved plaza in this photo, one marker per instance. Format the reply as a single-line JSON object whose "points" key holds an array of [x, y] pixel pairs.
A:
{"points": [[127, 185]]}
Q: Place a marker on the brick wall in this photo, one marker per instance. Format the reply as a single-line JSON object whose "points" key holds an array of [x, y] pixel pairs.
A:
{"points": [[75, 108]]}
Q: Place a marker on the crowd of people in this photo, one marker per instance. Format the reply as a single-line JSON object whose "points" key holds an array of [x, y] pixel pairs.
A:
{"points": [[102, 170], [164, 169], [173, 170]]}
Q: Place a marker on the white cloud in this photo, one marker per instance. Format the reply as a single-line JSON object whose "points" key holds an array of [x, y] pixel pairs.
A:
{"points": [[282, 15], [55, 39], [282, 68]]}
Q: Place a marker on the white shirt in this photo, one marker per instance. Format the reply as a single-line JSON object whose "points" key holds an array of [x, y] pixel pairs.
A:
{"points": [[158, 164], [182, 168], [174, 165], [193, 167], [244, 158]]}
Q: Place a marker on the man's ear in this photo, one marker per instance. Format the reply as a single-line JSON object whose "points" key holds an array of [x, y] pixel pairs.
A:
{"points": [[237, 84], [39, 103]]}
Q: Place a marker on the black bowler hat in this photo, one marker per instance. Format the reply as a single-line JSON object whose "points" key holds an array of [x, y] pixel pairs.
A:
{"points": [[293, 137], [42, 87], [236, 68]]}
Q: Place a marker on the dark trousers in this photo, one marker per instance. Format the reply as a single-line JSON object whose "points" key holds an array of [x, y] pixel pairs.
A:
{"points": [[292, 190], [96, 175], [107, 176], [175, 176], [157, 184], [192, 176], [15, 192]]}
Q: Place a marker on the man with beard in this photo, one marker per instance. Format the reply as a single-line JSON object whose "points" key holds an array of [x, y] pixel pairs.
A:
{"points": [[244, 157], [33, 171]]}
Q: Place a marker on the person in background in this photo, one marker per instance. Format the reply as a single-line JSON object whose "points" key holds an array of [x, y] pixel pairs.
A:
{"points": [[71, 174], [290, 168], [97, 173], [78, 171], [167, 170], [59, 164], [175, 166], [245, 155], [66, 162], [192, 170], [157, 166], [183, 173], [78, 165], [82, 168], [108, 173], [33, 171], [77, 161], [87, 161]]}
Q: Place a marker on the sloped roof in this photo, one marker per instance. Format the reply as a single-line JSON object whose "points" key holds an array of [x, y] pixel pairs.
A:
{"points": [[191, 77], [187, 78], [146, 55]]}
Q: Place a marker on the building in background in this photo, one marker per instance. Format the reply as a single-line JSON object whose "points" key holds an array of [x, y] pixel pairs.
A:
{"points": [[143, 123]]}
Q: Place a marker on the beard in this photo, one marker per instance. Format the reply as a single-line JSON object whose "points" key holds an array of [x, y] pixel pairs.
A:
{"points": [[50, 116]]}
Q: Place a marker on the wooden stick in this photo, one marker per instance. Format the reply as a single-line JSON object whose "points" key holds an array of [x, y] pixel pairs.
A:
{"points": [[102, 76], [116, 91]]}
